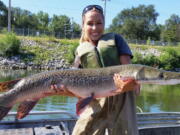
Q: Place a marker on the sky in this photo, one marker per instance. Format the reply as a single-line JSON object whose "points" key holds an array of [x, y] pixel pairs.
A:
{"points": [[73, 8]]}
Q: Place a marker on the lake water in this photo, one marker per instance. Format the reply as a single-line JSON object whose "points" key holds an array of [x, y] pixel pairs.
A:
{"points": [[153, 98]]}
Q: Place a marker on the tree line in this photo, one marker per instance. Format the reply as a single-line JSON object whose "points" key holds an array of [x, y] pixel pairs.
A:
{"points": [[133, 23], [58, 24], [140, 23]]}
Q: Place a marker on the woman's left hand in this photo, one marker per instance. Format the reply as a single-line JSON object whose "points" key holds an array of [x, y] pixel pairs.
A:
{"points": [[126, 84], [61, 90]]}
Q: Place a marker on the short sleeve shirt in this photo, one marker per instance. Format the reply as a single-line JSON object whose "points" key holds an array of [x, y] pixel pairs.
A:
{"points": [[122, 46]]}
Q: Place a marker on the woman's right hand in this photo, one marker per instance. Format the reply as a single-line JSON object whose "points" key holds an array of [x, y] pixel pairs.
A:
{"points": [[126, 84]]}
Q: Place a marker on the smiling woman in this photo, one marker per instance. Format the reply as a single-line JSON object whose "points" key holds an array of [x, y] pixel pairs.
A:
{"points": [[93, 25], [97, 49]]}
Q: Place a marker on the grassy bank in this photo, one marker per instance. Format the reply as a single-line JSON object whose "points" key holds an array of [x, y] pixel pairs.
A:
{"points": [[165, 57], [43, 49]]}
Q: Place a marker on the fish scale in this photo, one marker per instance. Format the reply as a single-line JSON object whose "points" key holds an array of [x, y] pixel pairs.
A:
{"points": [[82, 83]]}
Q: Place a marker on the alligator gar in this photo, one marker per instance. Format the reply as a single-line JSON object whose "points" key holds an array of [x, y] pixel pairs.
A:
{"points": [[85, 84]]}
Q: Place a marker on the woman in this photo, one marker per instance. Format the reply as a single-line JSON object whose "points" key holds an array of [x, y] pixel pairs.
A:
{"points": [[116, 114]]}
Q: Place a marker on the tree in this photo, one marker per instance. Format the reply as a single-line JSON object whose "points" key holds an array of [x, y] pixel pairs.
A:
{"points": [[155, 32], [24, 19], [43, 20], [171, 31], [76, 29], [3, 15], [135, 23], [61, 26]]}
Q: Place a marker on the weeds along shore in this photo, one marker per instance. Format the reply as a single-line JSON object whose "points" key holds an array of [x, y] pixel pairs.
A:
{"points": [[49, 53]]}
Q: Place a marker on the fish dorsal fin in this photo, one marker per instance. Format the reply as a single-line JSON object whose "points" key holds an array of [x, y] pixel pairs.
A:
{"points": [[82, 103], [25, 107], [5, 86]]}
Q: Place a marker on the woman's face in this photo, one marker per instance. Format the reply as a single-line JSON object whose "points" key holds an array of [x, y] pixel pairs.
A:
{"points": [[93, 26]]}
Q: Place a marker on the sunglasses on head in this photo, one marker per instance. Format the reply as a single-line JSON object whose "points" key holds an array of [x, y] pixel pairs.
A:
{"points": [[90, 7]]}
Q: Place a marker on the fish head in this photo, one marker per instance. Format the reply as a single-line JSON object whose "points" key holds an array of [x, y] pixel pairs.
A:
{"points": [[152, 75], [171, 77]]}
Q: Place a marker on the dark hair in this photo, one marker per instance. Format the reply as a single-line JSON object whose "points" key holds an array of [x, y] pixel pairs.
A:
{"points": [[90, 7]]}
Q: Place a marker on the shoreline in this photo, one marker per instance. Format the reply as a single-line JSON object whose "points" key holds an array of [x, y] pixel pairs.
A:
{"points": [[16, 64]]}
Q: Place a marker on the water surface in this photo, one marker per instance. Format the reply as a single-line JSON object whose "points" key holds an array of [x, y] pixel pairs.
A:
{"points": [[153, 98]]}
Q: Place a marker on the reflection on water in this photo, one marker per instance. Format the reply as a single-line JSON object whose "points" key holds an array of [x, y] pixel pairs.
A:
{"points": [[159, 98], [6, 75], [153, 98], [52, 103]]}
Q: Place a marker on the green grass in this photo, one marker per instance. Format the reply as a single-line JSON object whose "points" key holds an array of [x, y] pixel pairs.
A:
{"points": [[49, 48], [160, 48], [168, 60], [9, 45]]}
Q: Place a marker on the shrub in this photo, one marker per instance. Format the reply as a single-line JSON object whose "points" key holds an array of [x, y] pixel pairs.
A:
{"points": [[72, 45], [170, 59], [137, 59], [149, 60], [9, 45], [3, 31], [148, 42], [71, 53]]}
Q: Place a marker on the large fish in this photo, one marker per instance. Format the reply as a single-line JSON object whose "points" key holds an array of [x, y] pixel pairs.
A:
{"points": [[85, 84]]}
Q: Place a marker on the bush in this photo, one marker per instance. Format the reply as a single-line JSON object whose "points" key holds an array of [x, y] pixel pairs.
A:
{"points": [[3, 31], [138, 58], [72, 45], [148, 42], [149, 60], [9, 45], [71, 53], [170, 59]]}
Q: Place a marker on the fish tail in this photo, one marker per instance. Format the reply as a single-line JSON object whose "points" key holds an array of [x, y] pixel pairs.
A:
{"points": [[24, 108], [5, 86], [4, 111]]}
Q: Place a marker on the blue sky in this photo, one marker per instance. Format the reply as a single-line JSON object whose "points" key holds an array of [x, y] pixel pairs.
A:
{"points": [[73, 8]]}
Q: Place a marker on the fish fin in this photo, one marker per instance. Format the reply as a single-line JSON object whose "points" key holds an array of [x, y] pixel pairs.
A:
{"points": [[24, 108], [5, 86], [4, 111], [82, 103]]}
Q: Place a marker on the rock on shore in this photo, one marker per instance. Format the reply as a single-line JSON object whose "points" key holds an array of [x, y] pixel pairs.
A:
{"points": [[15, 62]]}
